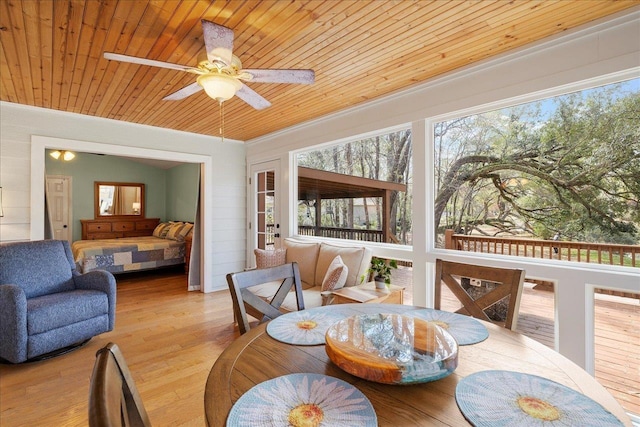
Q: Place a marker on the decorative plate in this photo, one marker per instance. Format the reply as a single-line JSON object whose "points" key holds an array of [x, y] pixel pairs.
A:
{"points": [[466, 330], [305, 327], [302, 400], [505, 398]]}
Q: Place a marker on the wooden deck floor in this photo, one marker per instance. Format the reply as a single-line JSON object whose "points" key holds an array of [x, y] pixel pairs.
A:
{"points": [[617, 334]]}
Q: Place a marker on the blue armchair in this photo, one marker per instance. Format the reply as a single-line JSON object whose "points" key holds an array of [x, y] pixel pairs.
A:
{"points": [[45, 304]]}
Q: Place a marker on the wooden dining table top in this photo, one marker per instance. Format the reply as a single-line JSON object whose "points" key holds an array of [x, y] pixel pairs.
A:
{"points": [[256, 357]]}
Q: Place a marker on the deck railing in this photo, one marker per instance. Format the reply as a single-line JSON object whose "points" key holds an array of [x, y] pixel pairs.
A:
{"points": [[341, 233], [598, 253]]}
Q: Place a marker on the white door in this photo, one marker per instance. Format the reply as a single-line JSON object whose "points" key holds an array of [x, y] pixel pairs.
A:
{"points": [[265, 217], [58, 192]]}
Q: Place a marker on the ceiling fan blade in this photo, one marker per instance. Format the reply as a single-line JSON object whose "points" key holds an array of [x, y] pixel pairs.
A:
{"points": [[252, 98], [218, 41], [142, 61], [184, 92], [281, 76]]}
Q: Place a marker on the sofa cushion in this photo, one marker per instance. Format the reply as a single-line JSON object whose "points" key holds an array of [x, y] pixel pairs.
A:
{"points": [[336, 275], [306, 255], [312, 298], [266, 290], [357, 260], [266, 258], [53, 311]]}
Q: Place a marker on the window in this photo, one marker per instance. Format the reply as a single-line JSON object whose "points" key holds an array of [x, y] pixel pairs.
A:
{"points": [[360, 190], [535, 179]]}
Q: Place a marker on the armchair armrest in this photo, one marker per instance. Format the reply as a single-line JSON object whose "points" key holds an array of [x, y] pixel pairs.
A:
{"points": [[99, 280], [13, 323]]}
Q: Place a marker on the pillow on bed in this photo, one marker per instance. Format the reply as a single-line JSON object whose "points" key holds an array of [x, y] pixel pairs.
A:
{"points": [[161, 230], [178, 231]]}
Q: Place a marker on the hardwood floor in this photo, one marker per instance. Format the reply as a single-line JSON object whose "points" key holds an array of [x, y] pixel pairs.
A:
{"points": [[171, 338]]}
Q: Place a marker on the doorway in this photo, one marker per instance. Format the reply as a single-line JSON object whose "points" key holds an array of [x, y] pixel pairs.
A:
{"points": [[59, 207], [265, 211]]}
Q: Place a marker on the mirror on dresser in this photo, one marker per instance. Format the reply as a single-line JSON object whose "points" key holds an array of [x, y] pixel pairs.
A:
{"points": [[118, 199]]}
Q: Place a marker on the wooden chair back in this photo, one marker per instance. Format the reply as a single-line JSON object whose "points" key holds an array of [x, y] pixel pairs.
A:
{"points": [[510, 282], [113, 397], [244, 301]]}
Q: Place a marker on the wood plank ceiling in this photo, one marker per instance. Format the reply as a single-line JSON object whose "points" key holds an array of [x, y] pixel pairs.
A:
{"points": [[51, 52]]}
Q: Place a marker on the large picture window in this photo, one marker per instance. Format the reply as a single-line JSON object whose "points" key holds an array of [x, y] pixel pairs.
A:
{"points": [[557, 178], [360, 190]]}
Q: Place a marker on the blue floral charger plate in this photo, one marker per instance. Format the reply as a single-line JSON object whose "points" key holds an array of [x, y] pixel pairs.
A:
{"points": [[506, 398], [305, 327], [466, 330], [303, 399]]}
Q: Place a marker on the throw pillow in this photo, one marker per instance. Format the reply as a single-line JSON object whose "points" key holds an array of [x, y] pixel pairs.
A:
{"points": [[161, 230], [178, 231], [266, 258], [336, 275]]}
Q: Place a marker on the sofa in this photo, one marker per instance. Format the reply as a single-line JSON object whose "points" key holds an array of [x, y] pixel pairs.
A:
{"points": [[314, 260], [46, 306]]}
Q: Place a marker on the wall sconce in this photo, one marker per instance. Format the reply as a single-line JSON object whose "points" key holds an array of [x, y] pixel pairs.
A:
{"points": [[1, 210], [136, 208], [66, 155]]}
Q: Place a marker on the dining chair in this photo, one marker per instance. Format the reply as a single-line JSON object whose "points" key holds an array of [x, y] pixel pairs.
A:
{"points": [[505, 281], [113, 397], [244, 301]]}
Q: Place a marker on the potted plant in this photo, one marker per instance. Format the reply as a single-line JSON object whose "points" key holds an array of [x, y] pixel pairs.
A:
{"points": [[381, 270]]}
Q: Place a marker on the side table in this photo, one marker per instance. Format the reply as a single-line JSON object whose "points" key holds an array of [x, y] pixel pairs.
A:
{"points": [[367, 293]]}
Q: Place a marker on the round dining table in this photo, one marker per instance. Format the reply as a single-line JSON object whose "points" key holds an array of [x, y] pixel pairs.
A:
{"points": [[256, 357]]}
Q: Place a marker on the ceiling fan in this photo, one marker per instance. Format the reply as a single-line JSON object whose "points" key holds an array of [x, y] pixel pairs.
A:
{"points": [[220, 72]]}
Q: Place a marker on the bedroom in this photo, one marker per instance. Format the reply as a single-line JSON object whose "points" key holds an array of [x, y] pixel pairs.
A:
{"points": [[169, 193]]}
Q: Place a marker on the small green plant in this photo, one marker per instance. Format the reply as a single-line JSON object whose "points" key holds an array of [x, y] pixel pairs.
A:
{"points": [[381, 269]]}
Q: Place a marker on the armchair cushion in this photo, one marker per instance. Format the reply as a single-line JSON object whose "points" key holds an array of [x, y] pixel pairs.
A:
{"points": [[64, 308], [38, 267]]}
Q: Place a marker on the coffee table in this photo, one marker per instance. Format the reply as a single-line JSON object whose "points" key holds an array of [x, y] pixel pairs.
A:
{"points": [[368, 293]]}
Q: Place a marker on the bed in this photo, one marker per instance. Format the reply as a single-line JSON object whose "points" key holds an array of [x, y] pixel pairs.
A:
{"points": [[165, 248]]}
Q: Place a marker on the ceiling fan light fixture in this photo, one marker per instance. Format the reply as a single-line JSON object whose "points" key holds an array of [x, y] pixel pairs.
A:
{"points": [[66, 155], [219, 86]]}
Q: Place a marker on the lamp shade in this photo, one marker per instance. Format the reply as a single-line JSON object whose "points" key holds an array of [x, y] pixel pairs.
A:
{"points": [[219, 86], [66, 155]]}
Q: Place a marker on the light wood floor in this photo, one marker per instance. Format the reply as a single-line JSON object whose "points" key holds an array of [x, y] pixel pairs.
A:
{"points": [[171, 338]]}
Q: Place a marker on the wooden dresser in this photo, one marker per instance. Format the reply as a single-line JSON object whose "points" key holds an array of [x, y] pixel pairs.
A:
{"points": [[113, 228]]}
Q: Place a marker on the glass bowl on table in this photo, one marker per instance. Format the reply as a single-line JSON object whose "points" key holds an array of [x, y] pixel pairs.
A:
{"points": [[392, 348]]}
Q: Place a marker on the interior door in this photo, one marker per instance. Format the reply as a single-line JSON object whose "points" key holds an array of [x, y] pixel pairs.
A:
{"points": [[265, 222], [58, 191]]}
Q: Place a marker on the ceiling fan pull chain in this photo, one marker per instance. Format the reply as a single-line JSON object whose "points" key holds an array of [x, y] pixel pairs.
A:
{"points": [[222, 120]]}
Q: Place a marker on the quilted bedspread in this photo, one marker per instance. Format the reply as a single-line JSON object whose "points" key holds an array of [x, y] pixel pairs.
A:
{"points": [[127, 254]]}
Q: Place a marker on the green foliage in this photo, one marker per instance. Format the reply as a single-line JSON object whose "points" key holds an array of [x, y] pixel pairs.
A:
{"points": [[381, 268], [573, 169]]}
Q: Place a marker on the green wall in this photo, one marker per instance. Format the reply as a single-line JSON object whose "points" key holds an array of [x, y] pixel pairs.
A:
{"points": [[86, 168], [182, 192]]}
